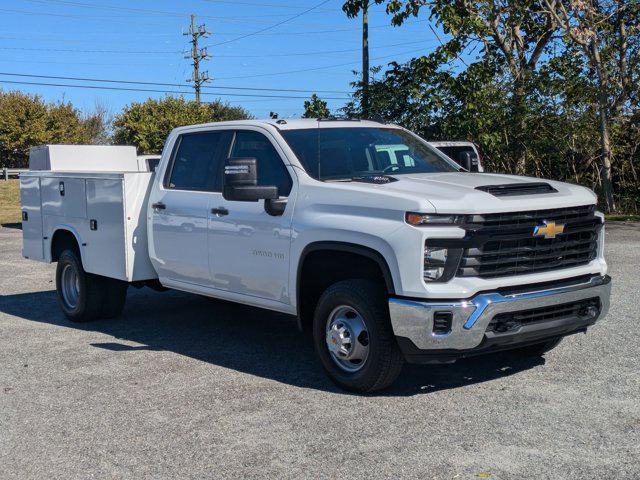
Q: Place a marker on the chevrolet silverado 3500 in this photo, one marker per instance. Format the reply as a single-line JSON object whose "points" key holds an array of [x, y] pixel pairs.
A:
{"points": [[383, 247]]}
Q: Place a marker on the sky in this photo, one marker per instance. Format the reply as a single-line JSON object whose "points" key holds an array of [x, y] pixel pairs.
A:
{"points": [[306, 45]]}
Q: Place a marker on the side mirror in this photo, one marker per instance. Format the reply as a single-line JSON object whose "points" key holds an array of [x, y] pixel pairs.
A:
{"points": [[241, 182], [469, 161]]}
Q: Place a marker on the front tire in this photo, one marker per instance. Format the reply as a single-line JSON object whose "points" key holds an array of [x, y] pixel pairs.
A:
{"points": [[353, 336]]}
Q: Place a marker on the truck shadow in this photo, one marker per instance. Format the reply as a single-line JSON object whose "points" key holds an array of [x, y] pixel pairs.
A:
{"points": [[246, 339]]}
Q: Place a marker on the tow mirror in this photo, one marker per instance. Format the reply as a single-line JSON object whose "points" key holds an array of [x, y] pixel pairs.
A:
{"points": [[469, 161], [241, 182]]}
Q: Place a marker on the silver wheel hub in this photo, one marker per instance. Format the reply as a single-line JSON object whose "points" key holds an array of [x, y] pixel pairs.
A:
{"points": [[70, 283], [347, 338]]}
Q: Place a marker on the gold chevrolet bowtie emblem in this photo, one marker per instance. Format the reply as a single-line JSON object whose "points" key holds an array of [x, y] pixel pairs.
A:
{"points": [[548, 230]]}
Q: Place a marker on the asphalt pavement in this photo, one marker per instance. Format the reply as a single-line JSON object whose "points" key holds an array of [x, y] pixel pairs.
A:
{"points": [[186, 387]]}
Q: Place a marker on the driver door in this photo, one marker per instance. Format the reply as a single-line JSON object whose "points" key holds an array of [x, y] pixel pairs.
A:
{"points": [[248, 248]]}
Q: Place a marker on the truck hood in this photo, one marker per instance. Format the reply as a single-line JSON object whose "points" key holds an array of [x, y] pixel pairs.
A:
{"points": [[456, 192]]}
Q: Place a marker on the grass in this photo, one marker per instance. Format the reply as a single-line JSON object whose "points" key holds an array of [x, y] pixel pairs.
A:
{"points": [[618, 217], [10, 201]]}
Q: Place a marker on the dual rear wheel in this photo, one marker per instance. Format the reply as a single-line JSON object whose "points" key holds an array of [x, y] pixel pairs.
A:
{"points": [[84, 296]]}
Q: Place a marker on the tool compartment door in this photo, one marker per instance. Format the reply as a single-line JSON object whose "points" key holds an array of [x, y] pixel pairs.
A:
{"points": [[32, 241], [64, 196], [104, 253]]}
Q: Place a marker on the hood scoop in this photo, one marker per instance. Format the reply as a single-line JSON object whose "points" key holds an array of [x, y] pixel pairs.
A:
{"points": [[514, 189]]}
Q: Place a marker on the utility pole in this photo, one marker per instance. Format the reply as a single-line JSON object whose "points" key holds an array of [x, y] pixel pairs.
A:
{"points": [[365, 58], [197, 55]]}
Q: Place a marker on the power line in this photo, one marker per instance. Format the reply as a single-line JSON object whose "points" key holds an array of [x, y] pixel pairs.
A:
{"points": [[442, 44], [139, 82], [288, 33], [73, 50], [120, 19], [257, 32], [317, 32], [305, 54], [268, 5], [172, 52], [324, 67], [100, 64], [80, 17], [144, 11], [228, 78], [133, 89]]}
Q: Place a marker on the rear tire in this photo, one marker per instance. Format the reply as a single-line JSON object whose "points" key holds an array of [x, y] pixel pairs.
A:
{"points": [[115, 295], [84, 296], [538, 349], [354, 314], [80, 294]]}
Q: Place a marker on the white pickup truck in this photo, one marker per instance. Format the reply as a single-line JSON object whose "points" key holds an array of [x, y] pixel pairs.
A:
{"points": [[379, 244]]}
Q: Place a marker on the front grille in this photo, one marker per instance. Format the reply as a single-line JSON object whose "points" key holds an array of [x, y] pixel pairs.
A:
{"points": [[580, 310], [504, 244]]}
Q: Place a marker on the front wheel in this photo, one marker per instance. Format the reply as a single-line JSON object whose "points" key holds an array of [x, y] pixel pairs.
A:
{"points": [[353, 336]]}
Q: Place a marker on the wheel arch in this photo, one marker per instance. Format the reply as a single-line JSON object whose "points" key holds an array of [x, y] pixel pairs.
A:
{"points": [[345, 250], [64, 236]]}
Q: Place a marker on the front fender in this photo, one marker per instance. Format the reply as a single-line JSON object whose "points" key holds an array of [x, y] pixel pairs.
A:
{"points": [[365, 244]]}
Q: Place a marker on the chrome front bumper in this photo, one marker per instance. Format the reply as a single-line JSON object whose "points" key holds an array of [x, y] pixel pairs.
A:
{"points": [[413, 319]]}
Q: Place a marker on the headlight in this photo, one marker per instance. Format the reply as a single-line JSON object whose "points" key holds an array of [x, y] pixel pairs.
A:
{"points": [[435, 259], [420, 219]]}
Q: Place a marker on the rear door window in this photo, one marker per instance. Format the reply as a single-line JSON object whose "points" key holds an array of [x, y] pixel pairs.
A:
{"points": [[196, 162]]}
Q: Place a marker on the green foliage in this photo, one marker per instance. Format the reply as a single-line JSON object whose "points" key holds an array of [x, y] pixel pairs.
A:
{"points": [[315, 108], [26, 121], [147, 124], [507, 79]]}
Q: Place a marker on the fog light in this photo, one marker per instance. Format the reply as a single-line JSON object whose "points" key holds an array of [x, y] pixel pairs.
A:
{"points": [[435, 259]]}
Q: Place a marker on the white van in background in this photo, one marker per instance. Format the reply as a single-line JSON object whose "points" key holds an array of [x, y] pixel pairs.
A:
{"points": [[457, 150]]}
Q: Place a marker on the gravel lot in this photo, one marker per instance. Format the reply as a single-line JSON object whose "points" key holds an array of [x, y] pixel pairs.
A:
{"points": [[182, 386]]}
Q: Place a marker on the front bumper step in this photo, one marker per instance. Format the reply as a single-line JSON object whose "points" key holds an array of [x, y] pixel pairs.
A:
{"points": [[413, 320]]}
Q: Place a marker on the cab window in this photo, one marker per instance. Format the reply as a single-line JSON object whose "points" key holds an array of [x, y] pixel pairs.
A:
{"points": [[196, 162], [271, 169]]}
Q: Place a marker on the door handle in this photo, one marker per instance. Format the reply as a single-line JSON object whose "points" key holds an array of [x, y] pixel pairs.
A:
{"points": [[220, 211], [158, 206]]}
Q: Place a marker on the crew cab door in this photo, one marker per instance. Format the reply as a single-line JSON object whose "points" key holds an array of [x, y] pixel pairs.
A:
{"points": [[179, 211], [249, 248]]}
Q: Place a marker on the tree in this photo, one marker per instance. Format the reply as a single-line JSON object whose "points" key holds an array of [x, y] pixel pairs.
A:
{"points": [[546, 88], [315, 108], [513, 36], [27, 121], [146, 125], [608, 34]]}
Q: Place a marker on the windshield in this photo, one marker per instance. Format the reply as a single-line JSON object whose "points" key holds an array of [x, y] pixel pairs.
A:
{"points": [[345, 153]]}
